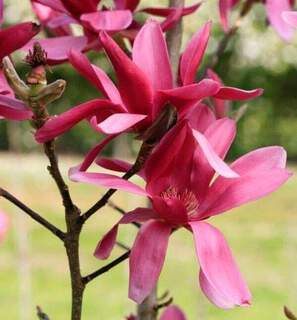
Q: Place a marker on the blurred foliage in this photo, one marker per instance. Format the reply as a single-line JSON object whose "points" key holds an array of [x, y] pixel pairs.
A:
{"points": [[255, 57]]}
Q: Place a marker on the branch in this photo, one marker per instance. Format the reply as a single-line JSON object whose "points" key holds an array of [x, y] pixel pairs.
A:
{"points": [[35, 216], [106, 268], [289, 314], [41, 315]]}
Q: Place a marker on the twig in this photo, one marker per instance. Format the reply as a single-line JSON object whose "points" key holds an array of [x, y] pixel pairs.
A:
{"points": [[106, 268], [41, 315], [34, 215], [122, 246], [164, 304], [289, 314]]}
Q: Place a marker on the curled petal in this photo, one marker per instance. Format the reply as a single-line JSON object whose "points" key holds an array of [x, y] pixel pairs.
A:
{"points": [[113, 20], [192, 56], [147, 259], [229, 93], [220, 278]]}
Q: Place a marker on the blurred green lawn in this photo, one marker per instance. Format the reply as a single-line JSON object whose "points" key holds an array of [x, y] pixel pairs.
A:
{"points": [[263, 237]]}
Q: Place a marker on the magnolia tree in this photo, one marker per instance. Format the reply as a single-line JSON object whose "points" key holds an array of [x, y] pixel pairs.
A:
{"points": [[186, 126]]}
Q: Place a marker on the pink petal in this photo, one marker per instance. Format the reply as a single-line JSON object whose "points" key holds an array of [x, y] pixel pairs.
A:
{"points": [[1, 11], [64, 122], [134, 86], [58, 48], [56, 5], [77, 8], [274, 10], [13, 109], [95, 75], [290, 17], [4, 224], [261, 172], [151, 55], [165, 12], [214, 160], [229, 93], [60, 21], [200, 117], [192, 56], [172, 19], [107, 180], [173, 313], [220, 277], [110, 20], [16, 36], [119, 122], [127, 4], [147, 258], [225, 8]]}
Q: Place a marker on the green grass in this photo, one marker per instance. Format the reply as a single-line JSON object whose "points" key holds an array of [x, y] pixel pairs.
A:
{"points": [[262, 235]]}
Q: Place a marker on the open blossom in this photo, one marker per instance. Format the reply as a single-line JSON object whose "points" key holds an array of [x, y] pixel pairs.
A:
{"points": [[274, 9], [181, 187], [145, 85], [59, 15]]}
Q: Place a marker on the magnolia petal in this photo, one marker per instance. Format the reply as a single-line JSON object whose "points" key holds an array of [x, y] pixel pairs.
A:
{"points": [[134, 86], [14, 109], [106, 180], [192, 56], [200, 117], [274, 10], [109, 20], [147, 259], [127, 4], [60, 21], [58, 48], [56, 5], [214, 160], [1, 11], [65, 121], [95, 75], [220, 280], [290, 17], [173, 313], [229, 93], [16, 37], [151, 55], [225, 7], [119, 122], [172, 19]]}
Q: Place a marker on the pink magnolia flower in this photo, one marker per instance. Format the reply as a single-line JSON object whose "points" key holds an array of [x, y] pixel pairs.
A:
{"points": [[181, 186], [58, 15], [145, 85], [3, 225], [14, 38], [274, 9]]}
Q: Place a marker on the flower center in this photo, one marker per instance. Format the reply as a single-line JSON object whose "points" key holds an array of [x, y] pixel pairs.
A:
{"points": [[187, 197]]}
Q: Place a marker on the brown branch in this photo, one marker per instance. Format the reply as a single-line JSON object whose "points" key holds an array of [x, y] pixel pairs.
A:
{"points": [[41, 315], [34, 215], [289, 314], [106, 268]]}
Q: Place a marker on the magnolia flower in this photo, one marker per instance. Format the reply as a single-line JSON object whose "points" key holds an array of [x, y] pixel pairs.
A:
{"points": [[184, 192], [3, 225], [172, 312], [58, 15], [274, 9], [145, 85]]}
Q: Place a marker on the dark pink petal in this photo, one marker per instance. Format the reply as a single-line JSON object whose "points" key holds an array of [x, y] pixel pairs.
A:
{"points": [[107, 243], [290, 17], [221, 107], [77, 7], [60, 21], [225, 8], [119, 122], [151, 55], [192, 56], [171, 210], [220, 135], [110, 20], [4, 86], [95, 75], [274, 10], [58, 48], [261, 172], [220, 280], [173, 313], [213, 159], [1, 11], [165, 12], [147, 259], [106, 180], [172, 19], [16, 36], [230, 93], [135, 88], [13, 109], [64, 122], [127, 4], [181, 96], [200, 117]]}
